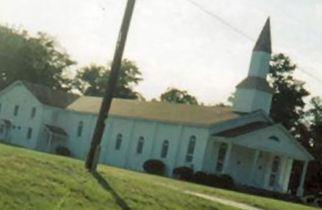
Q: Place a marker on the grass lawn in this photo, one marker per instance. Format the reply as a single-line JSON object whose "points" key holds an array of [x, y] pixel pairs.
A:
{"points": [[32, 180]]}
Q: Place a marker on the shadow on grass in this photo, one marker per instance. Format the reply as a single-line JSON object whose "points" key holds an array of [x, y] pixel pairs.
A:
{"points": [[105, 185]]}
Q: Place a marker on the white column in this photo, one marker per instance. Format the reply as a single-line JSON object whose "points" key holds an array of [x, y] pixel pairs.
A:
{"points": [[287, 174], [253, 169], [300, 189], [227, 158]]}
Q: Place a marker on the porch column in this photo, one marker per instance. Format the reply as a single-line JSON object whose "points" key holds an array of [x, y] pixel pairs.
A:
{"points": [[300, 189], [227, 158], [253, 169]]}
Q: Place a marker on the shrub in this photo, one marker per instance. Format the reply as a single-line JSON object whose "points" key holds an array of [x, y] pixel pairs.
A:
{"points": [[64, 151], [212, 180], [183, 173], [226, 181], [154, 167], [222, 181], [200, 177]]}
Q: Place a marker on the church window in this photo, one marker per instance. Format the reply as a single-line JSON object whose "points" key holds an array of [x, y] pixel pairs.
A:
{"points": [[274, 172], [139, 148], [118, 143], [16, 110], [191, 149], [80, 128], [33, 112], [0, 107], [165, 148], [29, 133], [221, 157]]}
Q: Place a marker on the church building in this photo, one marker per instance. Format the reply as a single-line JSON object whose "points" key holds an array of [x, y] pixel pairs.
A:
{"points": [[242, 140]]}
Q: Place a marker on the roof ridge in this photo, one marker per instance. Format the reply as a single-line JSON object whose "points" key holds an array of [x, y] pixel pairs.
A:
{"points": [[158, 102], [48, 96]]}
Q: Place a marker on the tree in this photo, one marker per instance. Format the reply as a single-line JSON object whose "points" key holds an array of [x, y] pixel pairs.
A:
{"points": [[92, 80], [288, 106], [36, 59], [174, 95], [288, 98], [315, 117]]}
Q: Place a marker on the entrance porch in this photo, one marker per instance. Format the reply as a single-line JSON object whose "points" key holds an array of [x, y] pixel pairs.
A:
{"points": [[261, 157], [54, 137]]}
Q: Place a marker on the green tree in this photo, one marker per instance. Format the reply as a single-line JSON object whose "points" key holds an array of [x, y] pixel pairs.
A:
{"points": [[36, 59], [174, 95], [314, 115], [92, 80], [289, 94]]}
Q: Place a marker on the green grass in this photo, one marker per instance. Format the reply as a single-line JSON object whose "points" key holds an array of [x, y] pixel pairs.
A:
{"points": [[32, 180]]}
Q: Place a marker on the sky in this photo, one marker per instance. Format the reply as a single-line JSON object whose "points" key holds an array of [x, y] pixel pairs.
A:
{"points": [[174, 43]]}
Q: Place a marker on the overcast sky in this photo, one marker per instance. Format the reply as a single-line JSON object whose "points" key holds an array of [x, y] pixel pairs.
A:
{"points": [[176, 44]]}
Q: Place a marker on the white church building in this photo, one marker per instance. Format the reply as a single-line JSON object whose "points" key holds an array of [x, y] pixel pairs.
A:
{"points": [[242, 141]]}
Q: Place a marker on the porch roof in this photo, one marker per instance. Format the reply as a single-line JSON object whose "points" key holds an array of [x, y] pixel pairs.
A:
{"points": [[265, 137], [250, 127], [56, 130]]}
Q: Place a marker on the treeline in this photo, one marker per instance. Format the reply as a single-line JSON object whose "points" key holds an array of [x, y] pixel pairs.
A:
{"points": [[40, 59]]}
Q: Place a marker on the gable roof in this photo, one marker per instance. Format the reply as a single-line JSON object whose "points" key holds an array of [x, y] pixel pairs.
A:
{"points": [[241, 130], [270, 137], [157, 111], [50, 97]]}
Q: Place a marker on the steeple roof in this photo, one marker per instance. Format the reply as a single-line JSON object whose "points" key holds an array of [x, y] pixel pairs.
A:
{"points": [[264, 40]]}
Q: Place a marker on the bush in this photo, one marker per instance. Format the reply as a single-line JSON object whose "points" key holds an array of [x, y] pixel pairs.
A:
{"points": [[183, 173], [226, 181], [222, 181], [64, 151], [212, 180], [200, 177], [154, 167]]}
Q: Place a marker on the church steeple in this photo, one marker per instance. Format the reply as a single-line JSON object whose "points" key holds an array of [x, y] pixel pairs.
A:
{"points": [[254, 92], [263, 43]]}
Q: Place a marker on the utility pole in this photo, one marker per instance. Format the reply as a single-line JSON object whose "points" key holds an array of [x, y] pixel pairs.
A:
{"points": [[93, 154]]}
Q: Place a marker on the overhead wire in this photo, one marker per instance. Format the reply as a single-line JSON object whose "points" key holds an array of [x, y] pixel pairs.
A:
{"points": [[243, 34]]}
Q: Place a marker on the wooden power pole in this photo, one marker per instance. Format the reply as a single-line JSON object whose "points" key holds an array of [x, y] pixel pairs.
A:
{"points": [[93, 154]]}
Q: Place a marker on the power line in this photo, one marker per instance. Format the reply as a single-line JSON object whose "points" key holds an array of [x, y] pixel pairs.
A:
{"points": [[240, 32], [237, 30]]}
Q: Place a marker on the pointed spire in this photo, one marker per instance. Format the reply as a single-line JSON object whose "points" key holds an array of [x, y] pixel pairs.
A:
{"points": [[264, 41]]}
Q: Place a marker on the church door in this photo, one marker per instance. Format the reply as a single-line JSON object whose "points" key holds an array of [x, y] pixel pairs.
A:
{"points": [[274, 172]]}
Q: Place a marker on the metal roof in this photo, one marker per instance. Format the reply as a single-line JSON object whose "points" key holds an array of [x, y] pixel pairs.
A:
{"points": [[264, 40]]}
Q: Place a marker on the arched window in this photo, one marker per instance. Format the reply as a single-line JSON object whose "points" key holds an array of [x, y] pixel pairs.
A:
{"points": [[80, 129], [274, 171], [139, 148], [165, 148], [118, 142], [33, 112], [191, 149], [221, 157], [16, 110]]}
